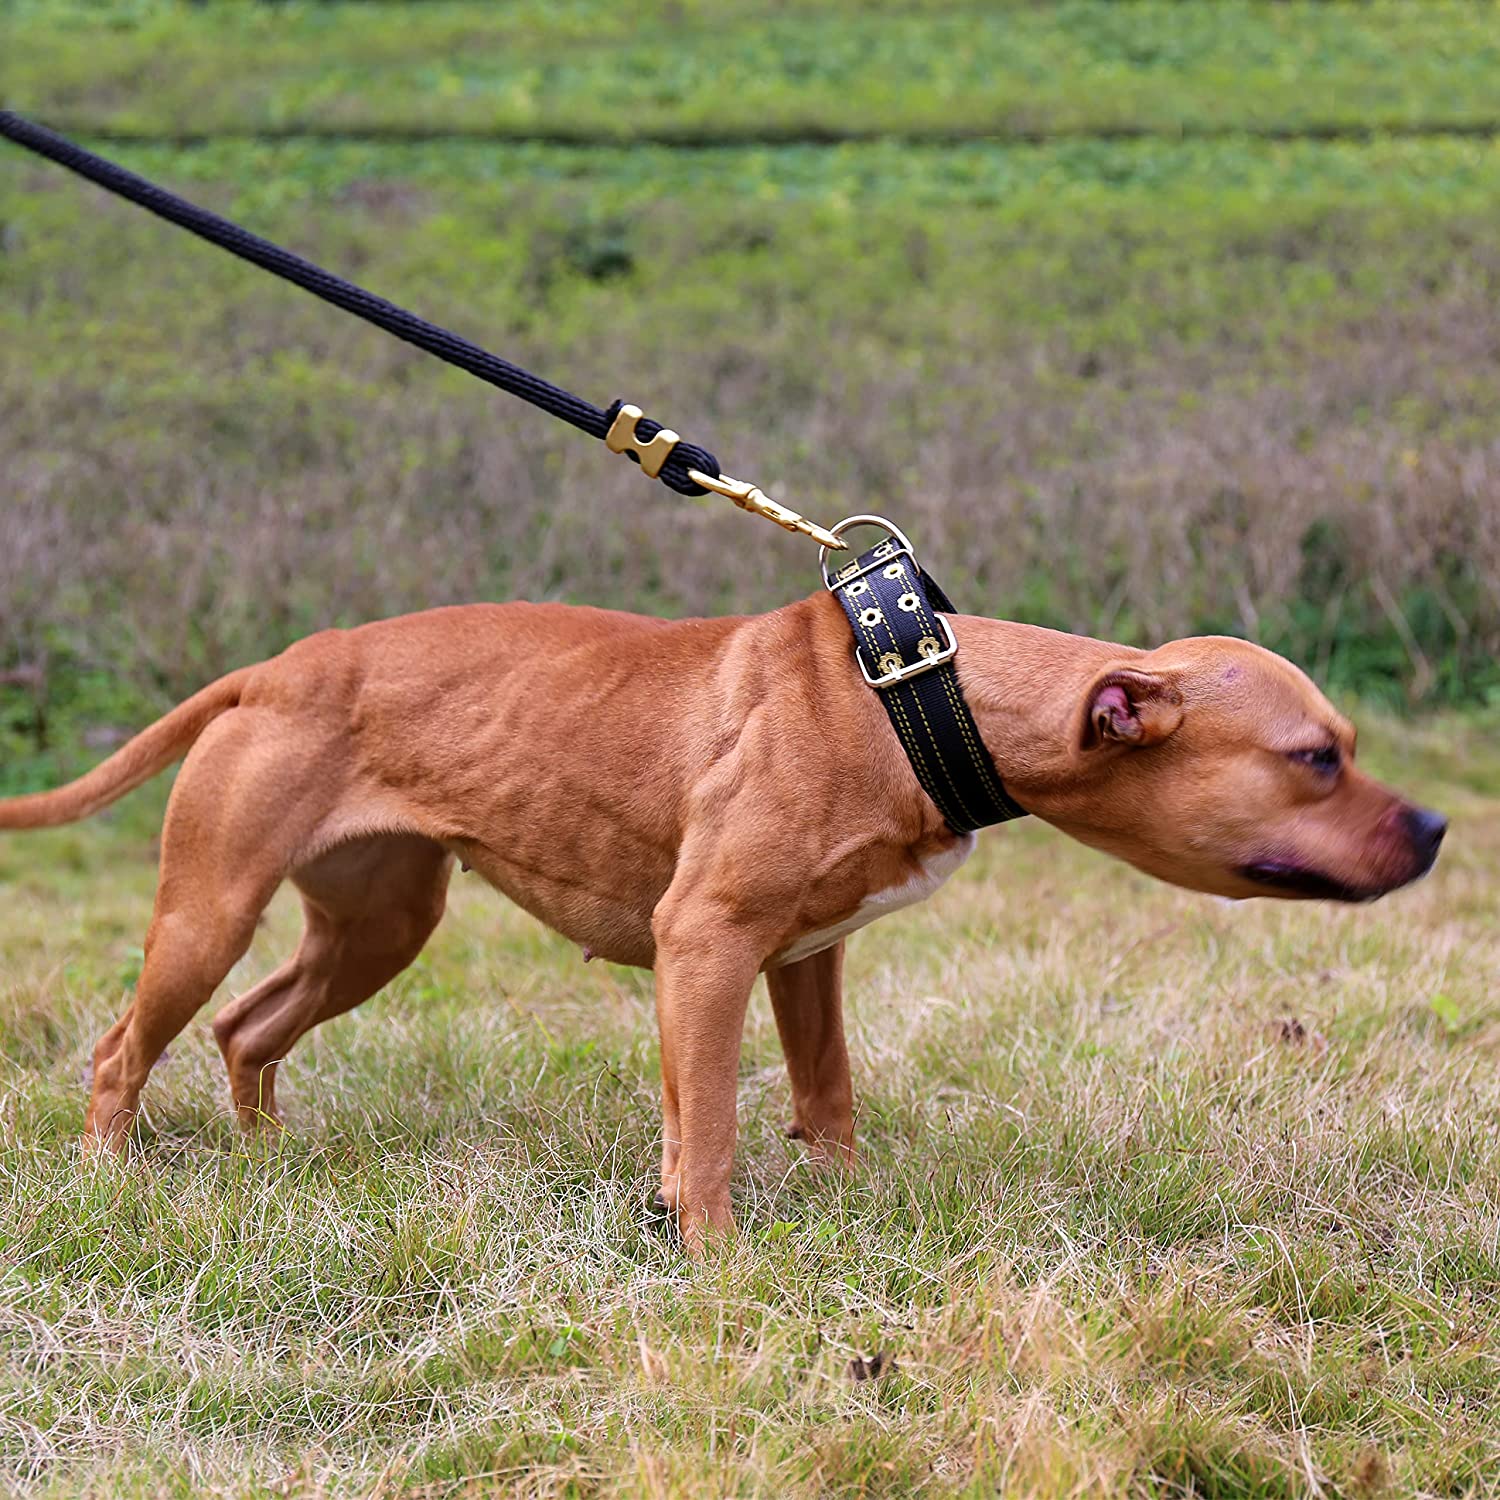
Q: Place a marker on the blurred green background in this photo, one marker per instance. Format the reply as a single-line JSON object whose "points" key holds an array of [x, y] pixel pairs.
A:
{"points": [[1144, 318]]}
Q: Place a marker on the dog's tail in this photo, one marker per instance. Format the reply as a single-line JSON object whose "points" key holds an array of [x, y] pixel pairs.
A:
{"points": [[149, 753]]}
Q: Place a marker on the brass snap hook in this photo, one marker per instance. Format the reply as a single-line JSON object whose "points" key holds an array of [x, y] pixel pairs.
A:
{"points": [[754, 499]]}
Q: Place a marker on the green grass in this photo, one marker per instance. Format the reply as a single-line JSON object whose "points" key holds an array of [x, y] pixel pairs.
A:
{"points": [[1118, 1234], [736, 71]]}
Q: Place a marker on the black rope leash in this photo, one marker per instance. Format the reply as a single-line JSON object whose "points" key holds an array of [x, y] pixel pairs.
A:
{"points": [[661, 453], [904, 647]]}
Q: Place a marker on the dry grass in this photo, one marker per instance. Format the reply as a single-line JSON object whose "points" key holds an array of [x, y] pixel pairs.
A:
{"points": [[1121, 1228]]}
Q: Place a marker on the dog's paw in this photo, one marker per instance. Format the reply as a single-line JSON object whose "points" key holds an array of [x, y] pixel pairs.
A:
{"points": [[661, 1219]]}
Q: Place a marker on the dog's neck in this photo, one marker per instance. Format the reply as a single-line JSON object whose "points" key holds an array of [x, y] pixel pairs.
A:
{"points": [[1027, 689]]}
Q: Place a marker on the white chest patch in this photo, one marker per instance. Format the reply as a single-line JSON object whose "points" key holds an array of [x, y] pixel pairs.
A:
{"points": [[933, 873]]}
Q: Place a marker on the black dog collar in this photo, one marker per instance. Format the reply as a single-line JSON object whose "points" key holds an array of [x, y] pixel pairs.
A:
{"points": [[905, 650]]}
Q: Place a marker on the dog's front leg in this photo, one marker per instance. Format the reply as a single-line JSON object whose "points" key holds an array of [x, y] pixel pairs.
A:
{"points": [[705, 968], [808, 999]]}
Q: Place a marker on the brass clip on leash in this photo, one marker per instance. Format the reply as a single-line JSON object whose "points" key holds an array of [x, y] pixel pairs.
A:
{"points": [[653, 454]]}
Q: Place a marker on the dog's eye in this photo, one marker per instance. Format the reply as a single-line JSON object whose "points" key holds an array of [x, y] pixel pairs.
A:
{"points": [[1327, 758]]}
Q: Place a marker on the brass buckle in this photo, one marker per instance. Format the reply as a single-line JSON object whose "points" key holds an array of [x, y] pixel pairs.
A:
{"points": [[653, 456], [930, 659], [621, 438]]}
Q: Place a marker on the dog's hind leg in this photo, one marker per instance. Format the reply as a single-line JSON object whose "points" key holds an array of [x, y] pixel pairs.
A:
{"points": [[807, 997], [370, 907], [226, 845]]}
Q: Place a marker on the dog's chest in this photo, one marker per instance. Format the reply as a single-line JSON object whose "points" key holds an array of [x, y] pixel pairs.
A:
{"points": [[935, 870]]}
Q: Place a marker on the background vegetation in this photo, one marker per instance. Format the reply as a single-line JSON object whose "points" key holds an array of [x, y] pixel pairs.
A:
{"points": [[1196, 333], [1145, 318], [726, 70]]}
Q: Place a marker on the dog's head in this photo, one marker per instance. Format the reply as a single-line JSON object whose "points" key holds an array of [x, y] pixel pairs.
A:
{"points": [[1217, 765]]}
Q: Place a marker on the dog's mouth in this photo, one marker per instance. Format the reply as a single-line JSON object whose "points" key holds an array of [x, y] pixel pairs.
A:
{"points": [[1283, 879]]}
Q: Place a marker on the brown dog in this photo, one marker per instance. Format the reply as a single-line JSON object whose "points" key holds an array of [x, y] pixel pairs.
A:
{"points": [[709, 798]]}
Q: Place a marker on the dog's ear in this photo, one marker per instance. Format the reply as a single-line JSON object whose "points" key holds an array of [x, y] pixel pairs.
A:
{"points": [[1131, 708]]}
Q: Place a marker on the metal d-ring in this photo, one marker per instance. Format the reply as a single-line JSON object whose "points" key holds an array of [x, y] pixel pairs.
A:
{"points": [[852, 571]]}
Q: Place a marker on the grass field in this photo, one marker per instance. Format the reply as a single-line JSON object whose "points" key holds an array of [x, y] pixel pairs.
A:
{"points": [[1160, 1196], [726, 70], [1145, 318]]}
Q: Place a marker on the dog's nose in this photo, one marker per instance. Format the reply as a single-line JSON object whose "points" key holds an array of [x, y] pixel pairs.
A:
{"points": [[1426, 830]]}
